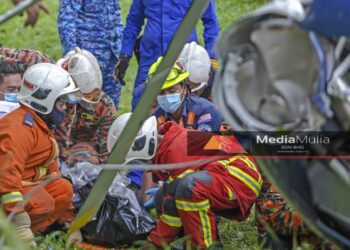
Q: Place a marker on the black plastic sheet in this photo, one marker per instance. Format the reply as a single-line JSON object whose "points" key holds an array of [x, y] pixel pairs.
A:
{"points": [[118, 224], [121, 220]]}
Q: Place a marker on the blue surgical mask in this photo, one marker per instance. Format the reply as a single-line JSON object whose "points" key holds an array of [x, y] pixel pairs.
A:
{"points": [[10, 97], [170, 103]]}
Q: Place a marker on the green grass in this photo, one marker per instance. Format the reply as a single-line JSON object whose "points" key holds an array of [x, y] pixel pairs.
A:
{"points": [[44, 37]]}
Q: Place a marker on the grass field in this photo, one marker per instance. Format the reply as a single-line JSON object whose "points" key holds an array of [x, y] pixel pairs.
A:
{"points": [[44, 37]]}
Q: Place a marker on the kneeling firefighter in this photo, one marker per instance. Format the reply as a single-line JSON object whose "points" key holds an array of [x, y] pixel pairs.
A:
{"points": [[28, 152], [83, 134], [224, 185]]}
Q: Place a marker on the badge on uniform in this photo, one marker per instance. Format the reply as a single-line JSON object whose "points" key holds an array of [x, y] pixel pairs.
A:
{"points": [[204, 118], [204, 127]]}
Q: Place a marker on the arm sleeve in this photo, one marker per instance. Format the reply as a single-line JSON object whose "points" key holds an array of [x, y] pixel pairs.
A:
{"points": [[134, 23], [15, 148], [211, 28], [108, 115], [63, 133], [67, 15]]}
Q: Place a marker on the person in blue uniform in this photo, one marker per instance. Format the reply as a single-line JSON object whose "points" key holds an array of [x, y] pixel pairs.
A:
{"points": [[162, 19], [96, 26], [175, 103]]}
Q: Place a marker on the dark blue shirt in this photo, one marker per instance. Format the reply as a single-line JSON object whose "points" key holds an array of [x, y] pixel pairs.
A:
{"points": [[197, 113], [163, 18]]}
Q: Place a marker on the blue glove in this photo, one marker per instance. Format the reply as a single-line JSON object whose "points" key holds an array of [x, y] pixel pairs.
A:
{"points": [[152, 192]]}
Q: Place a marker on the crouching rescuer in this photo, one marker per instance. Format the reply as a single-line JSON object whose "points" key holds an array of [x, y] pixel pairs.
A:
{"points": [[28, 153], [225, 184]]}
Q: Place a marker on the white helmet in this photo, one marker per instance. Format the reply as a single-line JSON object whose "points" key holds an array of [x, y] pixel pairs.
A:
{"points": [[144, 145], [196, 61], [42, 84], [84, 69]]}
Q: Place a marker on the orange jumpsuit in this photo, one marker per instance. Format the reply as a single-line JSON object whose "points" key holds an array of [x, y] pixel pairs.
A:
{"points": [[28, 154]]}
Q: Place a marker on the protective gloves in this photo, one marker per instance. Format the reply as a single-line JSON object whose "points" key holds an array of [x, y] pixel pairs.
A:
{"points": [[149, 204], [120, 68], [22, 222]]}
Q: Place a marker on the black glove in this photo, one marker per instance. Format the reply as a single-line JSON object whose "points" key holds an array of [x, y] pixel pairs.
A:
{"points": [[120, 68]]}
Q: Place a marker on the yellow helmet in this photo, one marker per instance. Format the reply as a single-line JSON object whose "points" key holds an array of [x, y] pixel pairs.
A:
{"points": [[176, 75]]}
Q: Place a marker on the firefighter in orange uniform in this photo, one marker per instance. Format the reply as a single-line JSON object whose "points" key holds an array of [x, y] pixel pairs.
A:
{"points": [[28, 152]]}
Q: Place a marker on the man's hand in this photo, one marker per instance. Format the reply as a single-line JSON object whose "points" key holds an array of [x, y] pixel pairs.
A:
{"points": [[22, 222], [33, 12], [120, 68]]}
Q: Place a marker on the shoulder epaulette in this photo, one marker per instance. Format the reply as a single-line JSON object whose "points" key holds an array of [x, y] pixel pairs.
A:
{"points": [[28, 120]]}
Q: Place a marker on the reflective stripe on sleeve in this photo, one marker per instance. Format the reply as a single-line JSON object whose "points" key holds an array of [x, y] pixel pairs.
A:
{"points": [[11, 197], [171, 220], [192, 206]]}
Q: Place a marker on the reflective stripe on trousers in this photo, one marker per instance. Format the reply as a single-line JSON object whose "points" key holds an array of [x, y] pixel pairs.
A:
{"points": [[202, 208]]}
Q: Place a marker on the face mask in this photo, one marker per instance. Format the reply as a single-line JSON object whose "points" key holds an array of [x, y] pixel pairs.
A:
{"points": [[170, 103], [54, 119], [10, 97]]}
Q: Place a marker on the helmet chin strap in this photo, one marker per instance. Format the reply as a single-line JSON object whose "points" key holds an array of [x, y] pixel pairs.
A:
{"points": [[184, 93]]}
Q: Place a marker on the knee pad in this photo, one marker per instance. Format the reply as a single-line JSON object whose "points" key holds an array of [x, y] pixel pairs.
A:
{"points": [[203, 176], [184, 188], [186, 185]]}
